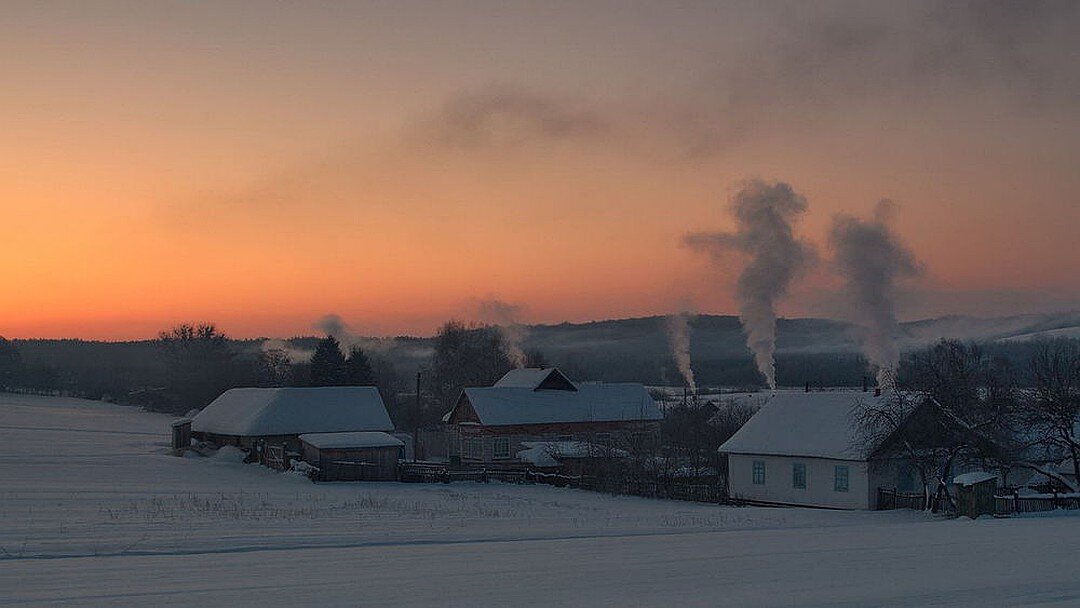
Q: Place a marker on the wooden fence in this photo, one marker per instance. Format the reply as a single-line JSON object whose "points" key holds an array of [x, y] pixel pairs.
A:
{"points": [[1015, 504], [1010, 504], [650, 488]]}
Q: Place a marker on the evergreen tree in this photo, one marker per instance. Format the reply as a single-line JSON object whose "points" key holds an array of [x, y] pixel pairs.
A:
{"points": [[10, 365], [328, 364], [358, 370]]}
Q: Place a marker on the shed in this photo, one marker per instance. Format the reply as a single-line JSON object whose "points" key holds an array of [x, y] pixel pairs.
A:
{"points": [[248, 417], [975, 494], [181, 434], [353, 456]]}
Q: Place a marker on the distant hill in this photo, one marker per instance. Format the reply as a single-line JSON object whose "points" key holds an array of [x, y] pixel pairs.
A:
{"points": [[820, 351]]}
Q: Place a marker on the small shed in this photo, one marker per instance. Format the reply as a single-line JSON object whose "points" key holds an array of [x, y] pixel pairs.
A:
{"points": [[975, 493], [181, 434], [353, 456]]}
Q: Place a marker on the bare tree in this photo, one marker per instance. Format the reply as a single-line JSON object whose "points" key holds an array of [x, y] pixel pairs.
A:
{"points": [[1052, 405]]}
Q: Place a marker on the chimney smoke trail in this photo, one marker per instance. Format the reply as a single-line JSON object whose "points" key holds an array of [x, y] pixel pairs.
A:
{"points": [[764, 215], [678, 332], [871, 258]]}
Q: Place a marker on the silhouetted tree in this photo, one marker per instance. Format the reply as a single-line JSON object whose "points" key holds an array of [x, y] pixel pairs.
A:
{"points": [[274, 368], [328, 364], [1052, 406], [11, 369], [200, 364], [465, 356], [358, 370]]}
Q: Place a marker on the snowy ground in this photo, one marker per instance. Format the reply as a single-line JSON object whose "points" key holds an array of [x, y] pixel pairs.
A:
{"points": [[94, 512]]}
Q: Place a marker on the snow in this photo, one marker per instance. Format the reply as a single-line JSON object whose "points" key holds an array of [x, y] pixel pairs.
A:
{"points": [[530, 377], [972, 478], [548, 453], [592, 402], [95, 511], [290, 411], [362, 439], [797, 423]]}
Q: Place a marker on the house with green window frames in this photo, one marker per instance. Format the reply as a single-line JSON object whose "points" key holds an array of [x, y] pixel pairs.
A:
{"points": [[803, 448]]}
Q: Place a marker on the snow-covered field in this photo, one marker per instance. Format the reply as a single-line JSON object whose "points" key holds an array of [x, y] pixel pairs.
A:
{"points": [[93, 511]]}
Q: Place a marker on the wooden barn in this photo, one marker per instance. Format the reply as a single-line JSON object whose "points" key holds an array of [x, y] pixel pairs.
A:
{"points": [[358, 456], [492, 425], [269, 421]]}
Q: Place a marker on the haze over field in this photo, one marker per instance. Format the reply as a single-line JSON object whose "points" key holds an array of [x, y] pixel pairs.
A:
{"points": [[262, 165]]}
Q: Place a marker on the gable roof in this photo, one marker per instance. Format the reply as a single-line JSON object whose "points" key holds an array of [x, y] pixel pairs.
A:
{"points": [[797, 423], [536, 378], [292, 411], [348, 440], [591, 402]]}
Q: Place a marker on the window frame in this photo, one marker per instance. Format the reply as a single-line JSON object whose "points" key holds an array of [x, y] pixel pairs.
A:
{"points": [[837, 486], [798, 474], [496, 453], [467, 445], [758, 472]]}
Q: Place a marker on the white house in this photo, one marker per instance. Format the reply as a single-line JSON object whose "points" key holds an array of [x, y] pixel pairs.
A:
{"points": [[803, 448]]}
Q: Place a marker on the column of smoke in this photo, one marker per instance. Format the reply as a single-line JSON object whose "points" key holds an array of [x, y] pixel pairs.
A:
{"points": [[678, 331], [506, 317], [764, 215], [871, 259], [333, 325]]}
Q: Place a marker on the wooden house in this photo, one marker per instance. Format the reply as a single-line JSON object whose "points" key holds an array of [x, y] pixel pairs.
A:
{"points": [[355, 456], [491, 425]]}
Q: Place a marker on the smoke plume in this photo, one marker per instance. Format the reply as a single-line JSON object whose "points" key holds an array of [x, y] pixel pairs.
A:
{"points": [[764, 214], [871, 259], [678, 331], [295, 355], [506, 317], [333, 325]]}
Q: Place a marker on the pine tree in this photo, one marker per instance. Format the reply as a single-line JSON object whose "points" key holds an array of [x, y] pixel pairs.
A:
{"points": [[358, 371], [10, 365], [328, 364]]}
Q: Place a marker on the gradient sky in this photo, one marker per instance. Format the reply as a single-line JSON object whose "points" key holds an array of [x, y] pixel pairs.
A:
{"points": [[262, 164]]}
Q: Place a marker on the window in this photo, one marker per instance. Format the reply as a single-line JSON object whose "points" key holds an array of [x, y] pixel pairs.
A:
{"points": [[798, 475], [759, 472], [472, 448], [840, 478], [501, 447]]}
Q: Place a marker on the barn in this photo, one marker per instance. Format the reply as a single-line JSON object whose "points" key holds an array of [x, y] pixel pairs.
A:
{"points": [[353, 456], [493, 425], [269, 421]]}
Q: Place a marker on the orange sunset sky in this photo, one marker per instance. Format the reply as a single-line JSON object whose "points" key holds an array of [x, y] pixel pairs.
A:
{"points": [[262, 164]]}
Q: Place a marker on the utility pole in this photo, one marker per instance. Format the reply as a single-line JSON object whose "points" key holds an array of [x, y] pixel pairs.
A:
{"points": [[416, 420]]}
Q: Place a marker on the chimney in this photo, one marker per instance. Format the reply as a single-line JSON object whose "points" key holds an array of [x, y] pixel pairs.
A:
{"points": [[877, 391], [808, 386], [864, 384]]}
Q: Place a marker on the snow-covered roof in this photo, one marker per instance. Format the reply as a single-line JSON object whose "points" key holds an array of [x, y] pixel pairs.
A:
{"points": [[548, 453], [972, 478], [292, 411], [356, 439], [591, 402], [796, 423], [536, 378]]}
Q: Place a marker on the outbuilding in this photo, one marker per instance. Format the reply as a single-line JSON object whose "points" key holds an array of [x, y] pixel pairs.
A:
{"points": [[269, 421], [356, 456]]}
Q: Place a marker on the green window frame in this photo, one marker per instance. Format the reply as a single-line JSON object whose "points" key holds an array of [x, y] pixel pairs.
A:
{"points": [[841, 478], [798, 475]]}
